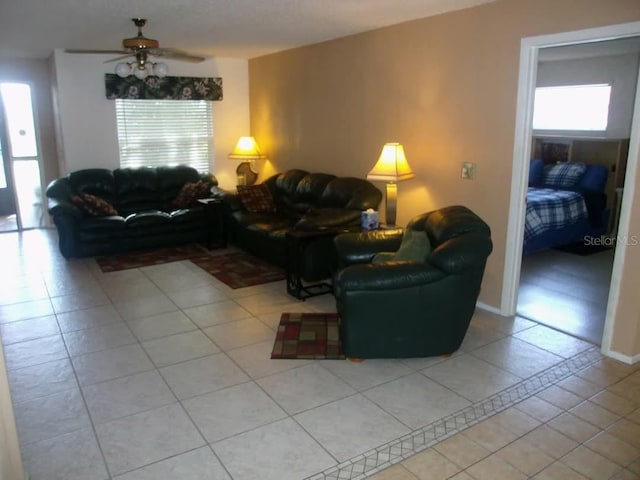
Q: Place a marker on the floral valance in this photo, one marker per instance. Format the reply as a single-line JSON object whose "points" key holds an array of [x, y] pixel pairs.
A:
{"points": [[166, 88]]}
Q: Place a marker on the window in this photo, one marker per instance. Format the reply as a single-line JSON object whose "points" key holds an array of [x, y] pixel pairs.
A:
{"points": [[165, 132], [573, 107]]}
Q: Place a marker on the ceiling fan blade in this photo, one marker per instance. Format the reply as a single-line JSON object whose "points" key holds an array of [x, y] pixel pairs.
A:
{"points": [[122, 57], [176, 55], [76, 50]]}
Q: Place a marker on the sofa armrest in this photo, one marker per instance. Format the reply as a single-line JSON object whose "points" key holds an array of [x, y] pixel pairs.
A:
{"points": [[61, 207], [386, 276], [460, 253], [353, 248], [230, 199]]}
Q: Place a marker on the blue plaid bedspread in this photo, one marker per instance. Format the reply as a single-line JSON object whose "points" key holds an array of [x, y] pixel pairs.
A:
{"points": [[549, 209]]}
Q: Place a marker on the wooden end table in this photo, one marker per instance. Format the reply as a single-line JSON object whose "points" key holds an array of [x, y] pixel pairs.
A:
{"points": [[296, 243]]}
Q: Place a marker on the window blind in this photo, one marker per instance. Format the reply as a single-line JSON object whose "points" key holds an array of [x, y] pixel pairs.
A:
{"points": [[165, 132]]}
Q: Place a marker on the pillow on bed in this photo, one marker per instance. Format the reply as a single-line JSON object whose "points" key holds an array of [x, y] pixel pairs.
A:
{"points": [[563, 175], [594, 179], [536, 171]]}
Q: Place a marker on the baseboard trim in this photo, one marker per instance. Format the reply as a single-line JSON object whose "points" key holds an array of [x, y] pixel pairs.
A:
{"points": [[630, 360], [489, 308]]}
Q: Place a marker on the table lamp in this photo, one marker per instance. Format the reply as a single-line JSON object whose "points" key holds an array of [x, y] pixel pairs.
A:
{"points": [[247, 151], [392, 167]]}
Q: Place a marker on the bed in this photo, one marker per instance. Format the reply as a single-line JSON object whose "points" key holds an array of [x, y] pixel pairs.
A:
{"points": [[565, 203]]}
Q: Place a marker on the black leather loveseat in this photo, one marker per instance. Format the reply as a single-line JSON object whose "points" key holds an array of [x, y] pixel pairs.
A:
{"points": [[301, 201], [99, 211]]}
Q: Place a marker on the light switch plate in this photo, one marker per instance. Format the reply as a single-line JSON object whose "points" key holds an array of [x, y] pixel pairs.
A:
{"points": [[468, 171]]}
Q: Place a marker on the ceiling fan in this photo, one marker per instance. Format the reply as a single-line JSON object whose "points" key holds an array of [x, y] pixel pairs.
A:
{"points": [[141, 48]]}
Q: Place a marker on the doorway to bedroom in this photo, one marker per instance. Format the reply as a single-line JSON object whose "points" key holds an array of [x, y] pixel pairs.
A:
{"points": [[564, 282]]}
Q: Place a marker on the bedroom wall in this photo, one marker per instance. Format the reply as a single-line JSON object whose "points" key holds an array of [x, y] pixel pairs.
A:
{"points": [[87, 134], [444, 86], [621, 71]]}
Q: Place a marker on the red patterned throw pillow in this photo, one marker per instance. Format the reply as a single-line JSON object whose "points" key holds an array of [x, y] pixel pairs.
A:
{"points": [[256, 198], [94, 205], [189, 193]]}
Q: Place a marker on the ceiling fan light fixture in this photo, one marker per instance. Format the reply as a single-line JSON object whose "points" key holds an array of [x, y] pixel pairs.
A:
{"points": [[160, 69], [140, 72], [123, 69]]}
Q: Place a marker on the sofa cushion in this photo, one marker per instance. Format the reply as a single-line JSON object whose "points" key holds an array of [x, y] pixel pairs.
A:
{"points": [[171, 179], [129, 180], [256, 198], [93, 205], [189, 193], [102, 224], [96, 181], [188, 215], [310, 188], [144, 219], [322, 218], [349, 192]]}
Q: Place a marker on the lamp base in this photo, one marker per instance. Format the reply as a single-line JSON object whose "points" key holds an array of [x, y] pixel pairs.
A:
{"points": [[391, 203], [246, 175]]}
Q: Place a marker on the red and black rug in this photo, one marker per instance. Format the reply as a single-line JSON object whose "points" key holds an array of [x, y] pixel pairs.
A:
{"points": [[239, 269], [236, 269], [314, 336], [145, 258]]}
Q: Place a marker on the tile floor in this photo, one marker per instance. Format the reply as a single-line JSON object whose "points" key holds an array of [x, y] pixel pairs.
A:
{"points": [[164, 373]]}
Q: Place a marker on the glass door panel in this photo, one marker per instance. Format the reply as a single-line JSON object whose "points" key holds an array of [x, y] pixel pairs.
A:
{"points": [[24, 174]]}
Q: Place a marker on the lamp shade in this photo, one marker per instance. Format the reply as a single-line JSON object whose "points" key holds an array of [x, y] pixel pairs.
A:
{"points": [[246, 149], [392, 165]]}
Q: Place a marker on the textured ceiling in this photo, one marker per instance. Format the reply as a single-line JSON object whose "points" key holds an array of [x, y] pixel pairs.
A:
{"points": [[220, 28]]}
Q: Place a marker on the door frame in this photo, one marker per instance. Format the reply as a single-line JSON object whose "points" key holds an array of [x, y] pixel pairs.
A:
{"points": [[529, 48], [6, 161]]}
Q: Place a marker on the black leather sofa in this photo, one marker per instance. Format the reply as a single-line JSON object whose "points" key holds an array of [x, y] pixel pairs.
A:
{"points": [[145, 217], [411, 308], [303, 201]]}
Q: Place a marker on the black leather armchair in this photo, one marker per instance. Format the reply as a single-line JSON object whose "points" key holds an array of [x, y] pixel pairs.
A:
{"points": [[409, 308]]}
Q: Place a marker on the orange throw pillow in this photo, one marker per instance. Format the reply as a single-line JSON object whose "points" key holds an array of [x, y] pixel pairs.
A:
{"points": [[94, 205]]}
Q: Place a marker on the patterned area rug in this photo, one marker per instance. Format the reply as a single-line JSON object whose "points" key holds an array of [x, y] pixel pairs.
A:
{"points": [[239, 269], [308, 336], [145, 258]]}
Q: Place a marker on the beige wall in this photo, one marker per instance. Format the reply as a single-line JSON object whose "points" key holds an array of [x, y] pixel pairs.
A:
{"points": [[443, 86]]}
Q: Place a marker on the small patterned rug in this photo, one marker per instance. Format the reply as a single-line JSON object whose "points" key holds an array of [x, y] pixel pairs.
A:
{"points": [[308, 336], [239, 269], [145, 258]]}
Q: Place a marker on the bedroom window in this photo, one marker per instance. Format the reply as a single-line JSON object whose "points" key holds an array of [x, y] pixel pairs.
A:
{"points": [[572, 107], [165, 132]]}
